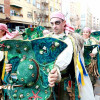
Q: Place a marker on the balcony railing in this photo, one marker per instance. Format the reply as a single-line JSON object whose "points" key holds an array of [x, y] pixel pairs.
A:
{"points": [[15, 14], [16, 18]]}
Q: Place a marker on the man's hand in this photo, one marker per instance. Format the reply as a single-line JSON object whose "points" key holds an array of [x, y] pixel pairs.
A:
{"points": [[8, 67], [52, 77]]}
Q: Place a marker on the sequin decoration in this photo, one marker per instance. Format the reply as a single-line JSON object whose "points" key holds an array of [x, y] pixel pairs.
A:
{"points": [[37, 86], [21, 96], [8, 47], [30, 66], [15, 95]]}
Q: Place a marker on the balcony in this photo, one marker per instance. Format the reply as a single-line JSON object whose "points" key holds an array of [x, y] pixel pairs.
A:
{"points": [[15, 14], [2, 16], [19, 19], [43, 14], [16, 18]]}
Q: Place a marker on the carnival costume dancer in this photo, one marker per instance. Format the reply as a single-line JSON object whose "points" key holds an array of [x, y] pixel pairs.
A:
{"points": [[97, 85], [70, 61], [90, 54], [5, 34]]}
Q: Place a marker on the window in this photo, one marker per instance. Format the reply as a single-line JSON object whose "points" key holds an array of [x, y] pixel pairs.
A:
{"points": [[38, 5], [42, 7], [83, 16], [34, 2], [29, 15], [38, 19], [1, 9], [43, 19], [28, 1], [12, 12], [51, 9]]}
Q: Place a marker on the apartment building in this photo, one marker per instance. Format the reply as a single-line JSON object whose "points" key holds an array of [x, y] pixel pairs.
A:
{"points": [[95, 23], [27, 13], [72, 12], [4, 11], [75, 14]]}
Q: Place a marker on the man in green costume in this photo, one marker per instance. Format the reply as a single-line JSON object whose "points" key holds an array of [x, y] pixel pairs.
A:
{"points": [[69, 64], [25, 79]]}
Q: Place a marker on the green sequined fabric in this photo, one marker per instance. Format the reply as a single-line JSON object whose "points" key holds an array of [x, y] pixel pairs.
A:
{"points": [[87, 51], [32, 33], [96, 35], [31, 62]]}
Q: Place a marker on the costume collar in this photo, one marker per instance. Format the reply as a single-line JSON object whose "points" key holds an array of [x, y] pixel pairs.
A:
{"points": [[59, 35]]}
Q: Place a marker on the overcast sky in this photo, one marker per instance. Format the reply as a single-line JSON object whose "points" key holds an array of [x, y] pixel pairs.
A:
{"points": [[93, 4]]}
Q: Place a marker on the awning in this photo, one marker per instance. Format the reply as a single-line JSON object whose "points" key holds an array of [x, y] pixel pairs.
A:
{"points": [[17, 6]]}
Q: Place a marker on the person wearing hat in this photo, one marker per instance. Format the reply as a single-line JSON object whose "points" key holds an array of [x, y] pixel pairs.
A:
{"points": [[69, 78], [89, 40], [90, 54], [5, 34]]}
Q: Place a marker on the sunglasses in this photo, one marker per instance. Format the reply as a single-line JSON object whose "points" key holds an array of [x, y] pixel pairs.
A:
{"points": [[56, 23]]}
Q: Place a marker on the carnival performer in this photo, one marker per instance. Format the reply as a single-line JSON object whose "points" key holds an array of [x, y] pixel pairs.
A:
{"points": [[91, 46], [97, 84], [69, 65], [5, 34]]}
